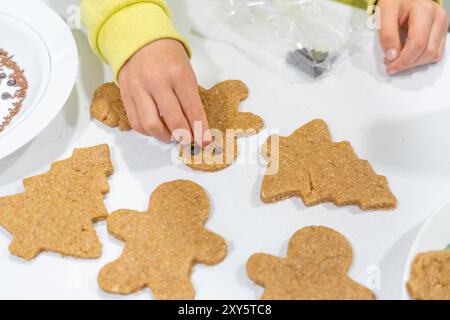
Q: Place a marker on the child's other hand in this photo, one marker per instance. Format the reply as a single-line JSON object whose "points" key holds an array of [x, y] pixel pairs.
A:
{"points": [[158, 80], [427, 25]]}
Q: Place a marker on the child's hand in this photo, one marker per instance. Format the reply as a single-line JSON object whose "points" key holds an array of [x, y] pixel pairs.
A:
{"points": [[158, 80], [427, 25]]}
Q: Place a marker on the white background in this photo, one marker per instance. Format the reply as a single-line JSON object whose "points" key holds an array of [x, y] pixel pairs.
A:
{"points": [[400, 124]]}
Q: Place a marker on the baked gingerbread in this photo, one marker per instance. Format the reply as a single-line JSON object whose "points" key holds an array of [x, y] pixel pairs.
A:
{"points": [[315, 268], [163, 243], [309, 165], [57, 210]]}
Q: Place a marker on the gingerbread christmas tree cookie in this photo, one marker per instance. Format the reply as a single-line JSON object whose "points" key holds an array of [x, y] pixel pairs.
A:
{"points": [[57, 210], [163, 243], [430, 276], [308, 164], [315, 268]]}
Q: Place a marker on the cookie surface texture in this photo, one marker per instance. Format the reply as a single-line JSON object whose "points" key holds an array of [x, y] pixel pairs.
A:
{"points": [[107, 107], [163, 243], [315, 268], [430, 276], [311, 166], [57, 210]]}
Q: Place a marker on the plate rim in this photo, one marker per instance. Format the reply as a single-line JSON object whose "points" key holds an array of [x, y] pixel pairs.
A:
{"points": [[55, 95]]}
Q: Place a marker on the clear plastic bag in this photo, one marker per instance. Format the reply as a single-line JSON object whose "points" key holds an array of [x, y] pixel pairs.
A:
{"points": [[296, 39]]}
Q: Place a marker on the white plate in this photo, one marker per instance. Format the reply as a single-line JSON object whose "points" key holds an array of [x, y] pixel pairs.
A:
{"points": [[434, 235], [44, 47]]}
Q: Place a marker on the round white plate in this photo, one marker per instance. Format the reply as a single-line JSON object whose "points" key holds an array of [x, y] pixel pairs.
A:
{"points": [[434, 235], [44, 47]]}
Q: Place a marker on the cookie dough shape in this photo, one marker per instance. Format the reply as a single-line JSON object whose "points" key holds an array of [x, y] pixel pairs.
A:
{"points": [[430, 276], [107, 107], [315, 168], [163, 243], [58, 208], [315, 269], [227, 123]]}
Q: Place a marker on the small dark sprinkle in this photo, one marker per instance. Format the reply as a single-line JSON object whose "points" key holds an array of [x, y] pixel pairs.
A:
{"points": [[195, 150], [6, 95], [218, 150]]}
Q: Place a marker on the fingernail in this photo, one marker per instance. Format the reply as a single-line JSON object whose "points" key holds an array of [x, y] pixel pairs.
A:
{"points": [[392, 72], [391, 54], [207, 139]]}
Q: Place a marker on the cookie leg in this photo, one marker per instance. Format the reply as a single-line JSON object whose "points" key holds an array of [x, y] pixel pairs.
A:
{"points": [[172, 289], [119, 278]]}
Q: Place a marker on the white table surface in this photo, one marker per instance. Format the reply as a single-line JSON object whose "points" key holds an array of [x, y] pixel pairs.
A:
{"points": [[400, 124]]}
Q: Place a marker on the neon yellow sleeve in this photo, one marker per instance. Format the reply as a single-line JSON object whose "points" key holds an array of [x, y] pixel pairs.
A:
{"points": [[119, 28], [372, 3]]}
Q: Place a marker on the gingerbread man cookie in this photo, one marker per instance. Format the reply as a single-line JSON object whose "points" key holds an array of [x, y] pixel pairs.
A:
{"points": [[227, 123], [315, 268], [430, 276], [221, 104], [313, 167], [58, 208], [163, 243]]}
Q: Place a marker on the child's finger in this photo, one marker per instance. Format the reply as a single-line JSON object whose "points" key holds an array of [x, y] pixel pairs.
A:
{"points": [[149, 117], [389, 29], [193, 109], [438, 33], [419, 28], [130, 109], [170, 109]]}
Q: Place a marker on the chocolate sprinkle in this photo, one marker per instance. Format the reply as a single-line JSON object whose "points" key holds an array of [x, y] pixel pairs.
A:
{"points": [[6, 96], [17, 79], [195, 149], [218, 150]]}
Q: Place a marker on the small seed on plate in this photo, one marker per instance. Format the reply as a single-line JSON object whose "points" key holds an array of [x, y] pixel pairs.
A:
{"points": [[11, 82], [6, 95]]}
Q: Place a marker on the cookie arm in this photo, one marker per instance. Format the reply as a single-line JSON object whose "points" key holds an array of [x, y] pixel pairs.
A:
{"points": [[248, 124], [123, 222], [211, 248], [261, 268]]}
